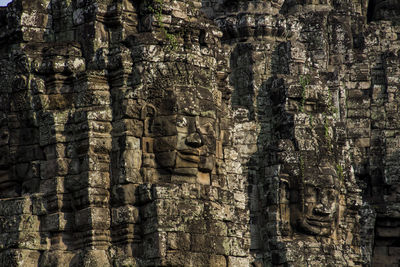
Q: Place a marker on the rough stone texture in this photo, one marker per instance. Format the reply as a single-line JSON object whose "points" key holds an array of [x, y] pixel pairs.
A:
{"points": [[200, 133]]}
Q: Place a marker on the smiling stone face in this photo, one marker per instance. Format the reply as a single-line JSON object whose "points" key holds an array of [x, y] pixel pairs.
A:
{"points": [[385, 9], [185, 140], [315, 205]]}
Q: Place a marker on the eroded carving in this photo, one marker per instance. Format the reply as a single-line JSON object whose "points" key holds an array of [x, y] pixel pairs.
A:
{"points": [[185, 137], [121, 144], [384, 10], [314, 201]]}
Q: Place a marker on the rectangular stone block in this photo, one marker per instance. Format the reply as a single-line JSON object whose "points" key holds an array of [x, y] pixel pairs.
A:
{"points": [[125, 194], [89, 196], [59, 221], [93, 218], [22, 240], [4, 137], [18, 223], [152, 244], [390, 232], [39, 204], [98, 239], [100, 127], [94, 163], [239, 247], [96, 179], [53, 168], [130, 127], [99, 145], [125, 215], [358, 113], [20, 258], [93, 98], [217, 260], [359, 132], [15, 206], [202, 243], [4, 156], [127, 175], [60, 241], [184, 179], [164, 144], [132, 159], [179, 258], [57, 202], [24, 136], [39, 6], [382, 258], [57, 101], [150, 226], [178, 241], [53, 185], [237, 261], [103, 114], [363, 142], [149, 210]]}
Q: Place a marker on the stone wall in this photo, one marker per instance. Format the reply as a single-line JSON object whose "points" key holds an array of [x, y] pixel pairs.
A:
{"points": [[199, 133]]}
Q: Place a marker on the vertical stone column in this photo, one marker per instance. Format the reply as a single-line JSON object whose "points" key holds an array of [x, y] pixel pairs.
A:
{"points": [[90, 195], [21, 235], [24, 29], [383, 186], [174, 101]]}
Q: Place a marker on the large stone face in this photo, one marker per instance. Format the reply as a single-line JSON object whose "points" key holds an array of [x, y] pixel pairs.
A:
{"points": [[199, 133]]}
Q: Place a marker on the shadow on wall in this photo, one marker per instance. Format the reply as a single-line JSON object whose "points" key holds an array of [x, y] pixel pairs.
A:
{"points": [[242, 79], [383, 10], [370, 11], [22, 153], [275, 124], [387, 225], [263, 109]]}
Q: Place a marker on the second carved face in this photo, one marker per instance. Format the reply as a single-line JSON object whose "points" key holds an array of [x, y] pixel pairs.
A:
{"points": [[315, 204]]}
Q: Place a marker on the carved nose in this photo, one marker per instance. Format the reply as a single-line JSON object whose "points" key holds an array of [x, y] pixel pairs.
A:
{"points": [[194, 140]]}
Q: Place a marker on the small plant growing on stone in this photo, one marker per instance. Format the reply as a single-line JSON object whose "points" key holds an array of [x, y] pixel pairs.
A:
{"points": [[304, 81], [339, 171], [331, 108], [302, 167], [156, 8], [326, 133], [191, 6], [302, 172]]}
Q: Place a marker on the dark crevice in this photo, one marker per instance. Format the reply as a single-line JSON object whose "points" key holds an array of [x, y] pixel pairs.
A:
{"points": [[370, 11]]}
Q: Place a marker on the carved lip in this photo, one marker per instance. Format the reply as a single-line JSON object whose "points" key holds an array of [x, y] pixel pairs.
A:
{"points": [[190, 155], [324, 223], [185, 172]]}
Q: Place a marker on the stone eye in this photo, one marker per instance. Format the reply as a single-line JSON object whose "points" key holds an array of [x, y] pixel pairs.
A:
{"points": [[181, 122], [310, 194], [331, 195], [208, 128]]}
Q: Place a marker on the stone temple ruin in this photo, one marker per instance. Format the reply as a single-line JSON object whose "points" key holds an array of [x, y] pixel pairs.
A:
{"points": [[200, 133]]}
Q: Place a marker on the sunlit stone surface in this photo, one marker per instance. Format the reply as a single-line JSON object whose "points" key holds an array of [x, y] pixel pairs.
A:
{"points": [[199, 133]]}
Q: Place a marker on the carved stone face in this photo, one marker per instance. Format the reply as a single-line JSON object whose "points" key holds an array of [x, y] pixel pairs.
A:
{"points": [[314, 207], [185, 140], [385, 9]]}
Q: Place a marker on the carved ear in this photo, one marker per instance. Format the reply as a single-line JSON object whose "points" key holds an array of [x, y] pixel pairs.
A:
{"points": [[148, 114], [147, 144], [148, 110], [284, 188]]}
